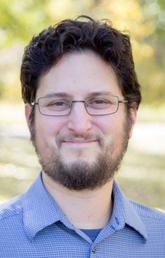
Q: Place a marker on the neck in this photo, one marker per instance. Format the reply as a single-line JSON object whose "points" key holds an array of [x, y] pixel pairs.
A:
{"points": [[86, 209]]}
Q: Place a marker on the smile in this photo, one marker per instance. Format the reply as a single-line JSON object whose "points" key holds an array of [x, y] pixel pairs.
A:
{"points": [[78, 143]]}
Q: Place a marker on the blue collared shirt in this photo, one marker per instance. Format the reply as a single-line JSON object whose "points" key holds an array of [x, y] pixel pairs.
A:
{"points": [[33, 225]]}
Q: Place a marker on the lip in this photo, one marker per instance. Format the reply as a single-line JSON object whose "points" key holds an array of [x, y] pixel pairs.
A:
{"points": [[79, 142]]}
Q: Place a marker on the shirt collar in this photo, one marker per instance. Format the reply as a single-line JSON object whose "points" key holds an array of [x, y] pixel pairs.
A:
{"points": [[40, 210], [124, 212]]}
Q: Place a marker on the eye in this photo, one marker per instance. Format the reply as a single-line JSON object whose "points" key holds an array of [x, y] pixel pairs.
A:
{"points": [[57, 104], [98, 103]]}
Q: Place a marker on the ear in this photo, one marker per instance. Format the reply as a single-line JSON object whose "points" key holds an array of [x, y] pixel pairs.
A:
{"points": [[27, 110], [132, 119]]}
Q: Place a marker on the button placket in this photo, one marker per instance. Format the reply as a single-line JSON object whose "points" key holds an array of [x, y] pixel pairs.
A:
{"points": [[93, 250]]}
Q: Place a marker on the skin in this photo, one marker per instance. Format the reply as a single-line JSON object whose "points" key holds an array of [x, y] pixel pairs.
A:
{"points": [[74, 138]]}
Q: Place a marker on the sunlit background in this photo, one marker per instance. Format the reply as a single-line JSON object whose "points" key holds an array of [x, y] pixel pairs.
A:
{"points": [[142, 175]]}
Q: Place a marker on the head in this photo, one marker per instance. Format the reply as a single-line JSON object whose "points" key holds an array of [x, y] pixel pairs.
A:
{"points": [[79, 58]]}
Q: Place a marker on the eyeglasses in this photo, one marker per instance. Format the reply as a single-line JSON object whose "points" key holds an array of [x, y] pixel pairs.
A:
{"points": [[95, 106]]}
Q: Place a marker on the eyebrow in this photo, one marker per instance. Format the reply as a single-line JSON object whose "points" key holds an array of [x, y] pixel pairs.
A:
{"points": [[66, 95], [98, 93], [60, 94]]}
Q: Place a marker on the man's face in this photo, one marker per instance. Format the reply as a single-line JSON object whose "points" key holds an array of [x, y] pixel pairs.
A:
{"points": [[80, 151]]}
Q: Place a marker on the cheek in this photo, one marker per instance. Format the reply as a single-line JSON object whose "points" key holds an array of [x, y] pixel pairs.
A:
{"points": [[113, 129], [109, 125], [47, 129]]}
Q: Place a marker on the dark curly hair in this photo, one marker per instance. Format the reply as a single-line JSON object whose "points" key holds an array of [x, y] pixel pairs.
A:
{"points": [[51, 44]]}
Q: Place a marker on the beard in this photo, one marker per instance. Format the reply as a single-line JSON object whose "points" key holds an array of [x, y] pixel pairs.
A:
{"points": [[81, 175]]}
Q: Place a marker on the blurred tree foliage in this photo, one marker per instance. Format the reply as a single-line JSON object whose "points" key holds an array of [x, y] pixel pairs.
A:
{"points": [[144, 20]]}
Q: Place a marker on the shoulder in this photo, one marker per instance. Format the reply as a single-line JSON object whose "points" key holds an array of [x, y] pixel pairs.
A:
{"points": [[11, 208], [150, 216]]}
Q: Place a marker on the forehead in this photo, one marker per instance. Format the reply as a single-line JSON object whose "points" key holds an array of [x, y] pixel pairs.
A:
{"points": [[79, 74]]}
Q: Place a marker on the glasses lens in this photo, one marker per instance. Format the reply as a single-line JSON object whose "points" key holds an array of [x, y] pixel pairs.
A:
{"points": [[53, 106], [102, 105]]}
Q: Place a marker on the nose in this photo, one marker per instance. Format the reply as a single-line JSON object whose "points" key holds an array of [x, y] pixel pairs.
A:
{"points": [[79, 120]]}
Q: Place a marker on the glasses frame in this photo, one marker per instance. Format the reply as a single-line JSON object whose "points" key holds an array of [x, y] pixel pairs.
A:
{"points": [[119, 101]]}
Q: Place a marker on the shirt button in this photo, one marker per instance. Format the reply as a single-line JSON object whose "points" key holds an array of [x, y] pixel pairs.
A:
{"points": [[94, 250]]}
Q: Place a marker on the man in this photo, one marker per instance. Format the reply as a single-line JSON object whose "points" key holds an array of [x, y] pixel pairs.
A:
{"points": [[81, 97]]}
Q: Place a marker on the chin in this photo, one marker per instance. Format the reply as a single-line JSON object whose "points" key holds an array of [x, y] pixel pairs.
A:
{"points": [[76, 159]]}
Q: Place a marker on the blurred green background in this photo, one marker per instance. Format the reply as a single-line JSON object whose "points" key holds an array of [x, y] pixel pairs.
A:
{"points": [[142, 175]]}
